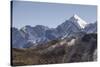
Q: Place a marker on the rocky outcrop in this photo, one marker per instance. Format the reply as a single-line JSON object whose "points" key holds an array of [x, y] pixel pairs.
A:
{"points": [[82, 49]]}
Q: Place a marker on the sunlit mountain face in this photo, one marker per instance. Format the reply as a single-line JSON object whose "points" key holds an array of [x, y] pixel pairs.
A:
{"points": [[29, 36]]}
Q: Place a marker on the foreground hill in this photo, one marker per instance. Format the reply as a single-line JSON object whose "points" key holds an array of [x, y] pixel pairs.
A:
{"points": [[68, 50]]}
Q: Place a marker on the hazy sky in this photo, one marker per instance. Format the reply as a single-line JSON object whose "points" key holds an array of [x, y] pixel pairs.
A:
{"points": [[49, 14]]}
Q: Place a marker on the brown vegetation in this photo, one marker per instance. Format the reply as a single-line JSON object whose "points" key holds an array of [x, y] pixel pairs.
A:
{"points": [[83, 49]]}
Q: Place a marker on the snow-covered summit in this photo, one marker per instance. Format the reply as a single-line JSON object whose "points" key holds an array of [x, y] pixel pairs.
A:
{"points": [[78, 20], [73, 27]]}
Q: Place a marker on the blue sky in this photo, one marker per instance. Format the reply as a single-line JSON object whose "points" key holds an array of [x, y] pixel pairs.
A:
{"points": [[49, 14]]}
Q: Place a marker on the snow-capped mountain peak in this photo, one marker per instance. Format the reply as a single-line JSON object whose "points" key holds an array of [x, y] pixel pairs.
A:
{"points": [[29, 36], [78, 20]]}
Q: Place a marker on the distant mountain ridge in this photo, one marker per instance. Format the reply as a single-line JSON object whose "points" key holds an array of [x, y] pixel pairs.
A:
{"points": [[29, 36]]}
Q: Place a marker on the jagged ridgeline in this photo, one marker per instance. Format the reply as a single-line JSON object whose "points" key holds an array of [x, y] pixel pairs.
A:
{"points": [[74, 40], [29, 36]]}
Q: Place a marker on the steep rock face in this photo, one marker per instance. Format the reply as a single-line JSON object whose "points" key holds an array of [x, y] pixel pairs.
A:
{"points": [[72, 25], [78, 21], [32, 36], [18, 41], [67, 28], [91, 28]]}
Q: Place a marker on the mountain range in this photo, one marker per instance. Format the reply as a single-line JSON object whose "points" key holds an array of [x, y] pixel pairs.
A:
{"points": [[29, 36]]}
